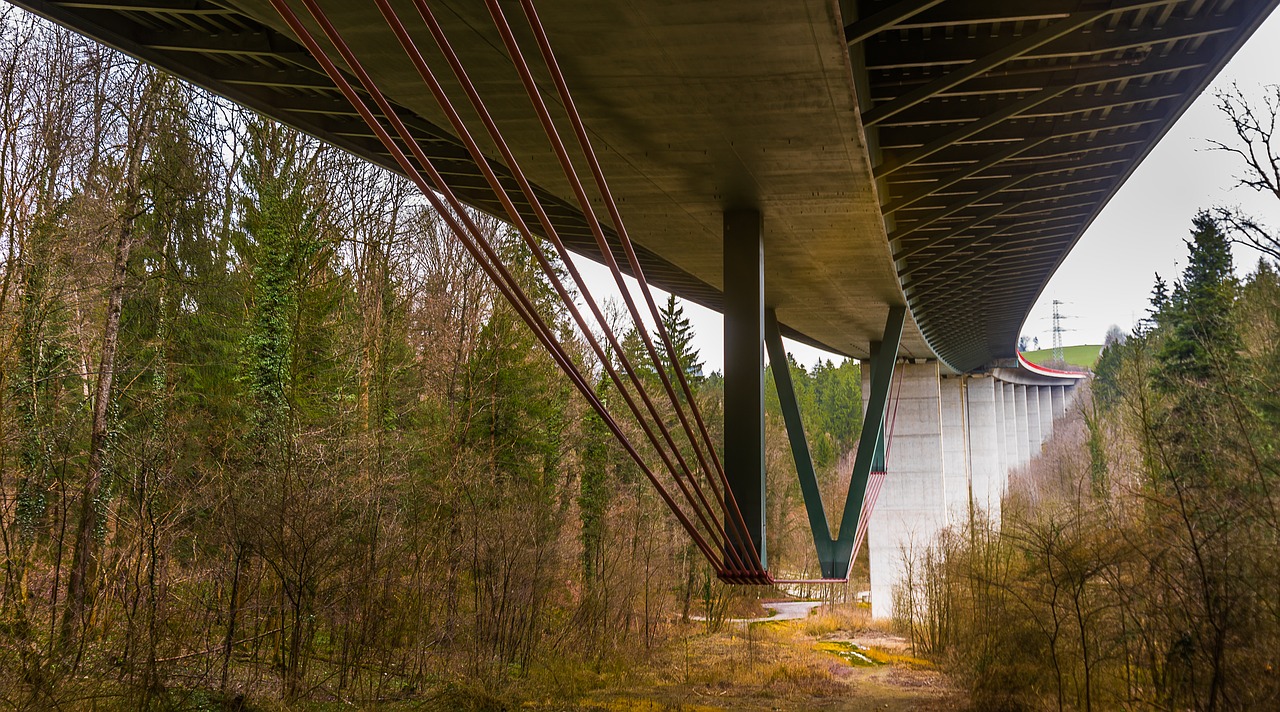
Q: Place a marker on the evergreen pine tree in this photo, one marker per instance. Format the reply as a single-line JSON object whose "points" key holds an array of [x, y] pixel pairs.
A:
{"points": [[1201, 337], [1159, 301], [1159, 295], [680, 331], [1106, 372], [1258, 317]]}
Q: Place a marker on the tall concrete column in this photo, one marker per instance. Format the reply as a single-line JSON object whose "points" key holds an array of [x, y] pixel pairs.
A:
{"points": [[1034, 436], [911, 507], [1046, 412], [1002, 444], [1020, 420], [1011, 426], [955, 458], [744, 371], [985, 448], [997, 388], [1059, 401]]}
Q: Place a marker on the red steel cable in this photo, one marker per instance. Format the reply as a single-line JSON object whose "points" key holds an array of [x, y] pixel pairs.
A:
{"points": [[411, 49], [869, 503], [480, 250], [562, 88], [702, 514], [531, 89], [512, 290], [606, 194], [425, 73]]}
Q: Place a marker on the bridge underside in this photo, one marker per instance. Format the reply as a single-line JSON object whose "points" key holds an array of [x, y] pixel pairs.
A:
{"points": [[695, 109], [956, 148]]}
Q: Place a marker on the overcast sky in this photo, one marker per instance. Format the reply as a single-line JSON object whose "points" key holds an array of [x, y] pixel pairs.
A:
{"points": [[1107, 278]]}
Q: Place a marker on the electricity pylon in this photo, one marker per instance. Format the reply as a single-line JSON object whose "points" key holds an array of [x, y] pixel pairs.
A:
{"points": [[1059, 329]]}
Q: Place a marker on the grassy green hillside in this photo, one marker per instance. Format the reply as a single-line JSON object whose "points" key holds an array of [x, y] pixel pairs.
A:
{"points": [[1085, 355]]}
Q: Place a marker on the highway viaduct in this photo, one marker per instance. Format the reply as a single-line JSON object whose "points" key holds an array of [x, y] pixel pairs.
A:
{"points": [[892, 180]]}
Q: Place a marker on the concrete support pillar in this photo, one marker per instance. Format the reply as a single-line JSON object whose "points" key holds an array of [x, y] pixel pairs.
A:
{"points": [[1011, 426], [955, 458], [911, 507], [1002, 442], [985, 448], [955, 441], [997, 388], [1046, 413], [1020, 420], [744, 370], [1035, 434]]}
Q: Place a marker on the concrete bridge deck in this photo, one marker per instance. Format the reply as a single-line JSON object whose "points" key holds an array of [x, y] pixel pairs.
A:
{"points": [[945, 154]]}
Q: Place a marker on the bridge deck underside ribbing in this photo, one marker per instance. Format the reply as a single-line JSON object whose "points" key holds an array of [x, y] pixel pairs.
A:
{"points": [[999, 130]]}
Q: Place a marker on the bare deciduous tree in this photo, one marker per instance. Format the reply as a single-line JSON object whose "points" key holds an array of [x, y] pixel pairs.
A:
{"points": [[1257, 145]]}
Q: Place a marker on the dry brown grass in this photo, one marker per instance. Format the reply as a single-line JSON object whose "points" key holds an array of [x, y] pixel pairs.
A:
{"points": [[765, 659], [839, 618], [775, 665]]}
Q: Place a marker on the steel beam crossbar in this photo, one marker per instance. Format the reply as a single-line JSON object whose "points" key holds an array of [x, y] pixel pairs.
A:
{"points": [[861, 29], [978, 67]]}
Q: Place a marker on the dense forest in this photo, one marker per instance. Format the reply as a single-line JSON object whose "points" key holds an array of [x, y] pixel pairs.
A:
{"points": [[1136, 563], [268, 435]]}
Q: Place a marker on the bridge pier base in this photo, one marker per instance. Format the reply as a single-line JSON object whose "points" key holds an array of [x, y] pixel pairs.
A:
{"points": [[1002, 454], [1020, 421], [957, 478], [911, 507], [1010, 425]]}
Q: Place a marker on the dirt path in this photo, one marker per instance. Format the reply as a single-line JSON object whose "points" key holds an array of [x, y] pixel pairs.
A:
{"points": [[788, 667], [784, 611]]}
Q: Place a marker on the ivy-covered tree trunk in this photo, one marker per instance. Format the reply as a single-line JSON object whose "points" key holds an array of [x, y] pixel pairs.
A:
{"points": [[290, 493]]}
